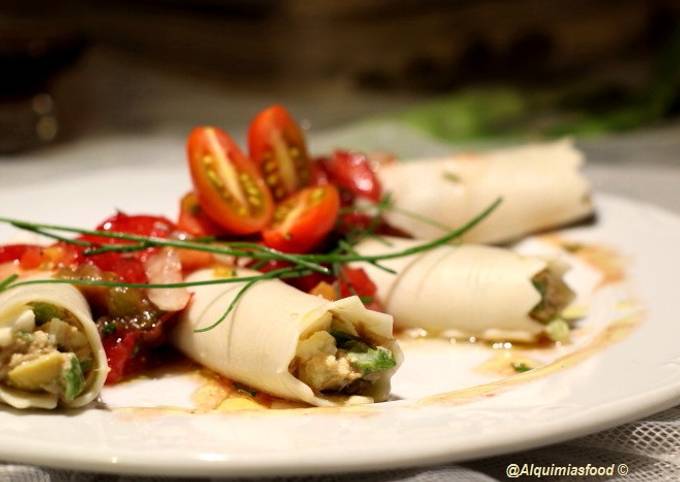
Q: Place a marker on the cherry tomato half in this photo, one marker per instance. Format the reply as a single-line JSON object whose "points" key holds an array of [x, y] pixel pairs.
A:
{"points": [[227, 183], [353, 172], [192, 220], [277, 145], [303, 220]]}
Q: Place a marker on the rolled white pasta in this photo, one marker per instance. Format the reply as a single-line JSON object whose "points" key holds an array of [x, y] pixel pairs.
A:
{"points": [[57, 360], [275, 332], [468, 290], [540, 184]]}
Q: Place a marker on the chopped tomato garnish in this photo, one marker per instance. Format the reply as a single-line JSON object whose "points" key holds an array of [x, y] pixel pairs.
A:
{"points": [[303, 220], [193, 260], [14, 252], [319, 175], [27, 255], [120, 350], [352, 172], [277, 145], [128, 266], [269, 265], [141, 225], [228, 185], [325, 290], [310, 281], [355, 281], [30, 256], [62, 255]]}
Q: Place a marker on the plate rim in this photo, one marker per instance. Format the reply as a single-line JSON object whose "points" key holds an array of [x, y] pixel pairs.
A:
{"points": [[581, 423]]}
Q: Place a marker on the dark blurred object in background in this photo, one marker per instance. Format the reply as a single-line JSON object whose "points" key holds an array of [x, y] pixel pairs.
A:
{"points": [[597, 65], [35, 45]]}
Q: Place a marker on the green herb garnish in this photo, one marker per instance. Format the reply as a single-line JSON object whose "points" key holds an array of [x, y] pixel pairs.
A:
{"points": [[521, 367], [109, 328], [372, 360], [302, 263], [45, 312], [364, 357], [450, 176], [73, 380]]}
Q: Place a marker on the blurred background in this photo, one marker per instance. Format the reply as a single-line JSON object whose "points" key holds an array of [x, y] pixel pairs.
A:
{"points": [[459, 70]]}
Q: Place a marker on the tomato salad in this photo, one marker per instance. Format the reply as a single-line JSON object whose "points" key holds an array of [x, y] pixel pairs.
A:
{"points": [[276, 195]]}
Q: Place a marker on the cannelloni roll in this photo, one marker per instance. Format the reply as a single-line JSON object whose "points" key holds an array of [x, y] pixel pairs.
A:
{"points": [[541, 186], [469, 290], [50, 350], [290, 344]]}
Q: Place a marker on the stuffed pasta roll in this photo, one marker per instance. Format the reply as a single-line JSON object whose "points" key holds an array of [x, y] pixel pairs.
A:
{"points": [[50, 350], [290, 344], [469, 290], [540, 184]]}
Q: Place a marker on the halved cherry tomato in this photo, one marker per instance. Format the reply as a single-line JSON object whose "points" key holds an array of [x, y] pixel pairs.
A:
{"points": [[193, 220], [277, 145], [303, 220], [353, 172], [227, 183]]}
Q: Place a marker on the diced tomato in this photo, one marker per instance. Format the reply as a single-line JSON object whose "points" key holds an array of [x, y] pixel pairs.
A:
{"points": [[193, 220], [14, 252], [304, 283], [325, 290], [355, 281], [193, 260], [277, 145], [228, 184], [303, 220], [355, 220], [353, 172], [310, 281], [319, 176], [120, 350], [141, 225], [128, 351], [269, 265], [32, 258], [128, 267], [29, 256], [61, 255]]}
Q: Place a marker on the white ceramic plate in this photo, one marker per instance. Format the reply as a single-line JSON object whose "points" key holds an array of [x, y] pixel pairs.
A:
{"points": [[452, 401]]}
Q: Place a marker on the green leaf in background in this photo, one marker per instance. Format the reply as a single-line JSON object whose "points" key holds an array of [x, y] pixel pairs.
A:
{"points": [[580, 107]]}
